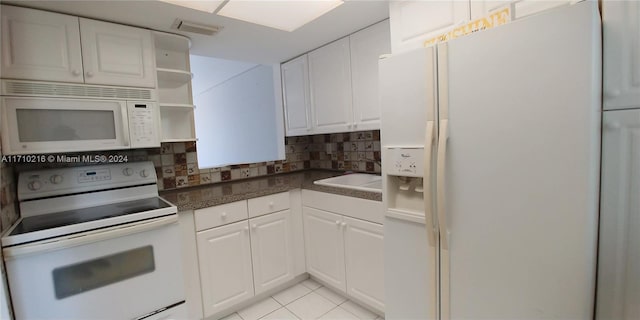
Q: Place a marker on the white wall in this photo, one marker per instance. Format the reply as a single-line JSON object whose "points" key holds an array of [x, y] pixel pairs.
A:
{"points": [[240, 120], [210, 72]]}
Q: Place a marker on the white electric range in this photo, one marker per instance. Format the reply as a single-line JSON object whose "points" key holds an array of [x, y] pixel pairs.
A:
{"points": [[94, 242]]}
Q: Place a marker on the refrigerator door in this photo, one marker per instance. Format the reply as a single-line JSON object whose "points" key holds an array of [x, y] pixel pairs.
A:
{"points": [[619, 254], [408, 100], [522, 168]]}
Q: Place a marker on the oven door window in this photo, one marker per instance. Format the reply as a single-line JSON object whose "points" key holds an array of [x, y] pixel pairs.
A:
{"points": [[88, 275], [41, 125]]}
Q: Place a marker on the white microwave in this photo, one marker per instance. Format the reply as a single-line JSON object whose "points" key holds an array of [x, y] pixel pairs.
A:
{"points": [[32, 125]]}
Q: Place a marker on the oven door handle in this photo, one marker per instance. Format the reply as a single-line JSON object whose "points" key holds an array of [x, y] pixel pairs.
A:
{"points": [[79, 239]]}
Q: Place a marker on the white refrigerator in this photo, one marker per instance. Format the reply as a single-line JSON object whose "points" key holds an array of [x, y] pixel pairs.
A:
{"points": [[491, 148]]}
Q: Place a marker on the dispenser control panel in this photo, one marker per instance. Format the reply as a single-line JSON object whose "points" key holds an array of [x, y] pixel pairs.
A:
{"points": [[407, 162]]}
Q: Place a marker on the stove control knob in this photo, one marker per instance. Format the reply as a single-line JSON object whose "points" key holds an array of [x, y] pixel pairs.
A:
{"points": [[144, 173], [127, 171], [34, 185], [55, 179]]}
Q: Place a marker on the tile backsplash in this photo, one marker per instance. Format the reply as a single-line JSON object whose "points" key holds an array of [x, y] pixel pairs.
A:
{"points": [[176, 163]]}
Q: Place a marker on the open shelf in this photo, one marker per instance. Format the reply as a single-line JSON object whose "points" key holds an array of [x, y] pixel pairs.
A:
{"points": [[174, 87], [177, 123], [173, 78], [172, 42]]}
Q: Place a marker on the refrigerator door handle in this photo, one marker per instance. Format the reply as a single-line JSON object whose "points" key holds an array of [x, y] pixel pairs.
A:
{"points": [[440, 182], [426, 184], [445, 305]]}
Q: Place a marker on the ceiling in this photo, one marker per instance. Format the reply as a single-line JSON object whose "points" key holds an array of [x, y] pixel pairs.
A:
{"points": [[238, 40]]}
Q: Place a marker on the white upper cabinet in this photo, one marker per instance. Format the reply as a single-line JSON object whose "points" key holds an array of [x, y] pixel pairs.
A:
{"points": [[117, 55], [295, 86], [330, 83], [272, 250], [621, 33], [413, 22], [366, 47], [40, 45], [520, 9], [335, 87]]}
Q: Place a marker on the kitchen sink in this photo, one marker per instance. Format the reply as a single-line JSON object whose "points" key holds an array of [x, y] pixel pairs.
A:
{"points": [[354, 181]]}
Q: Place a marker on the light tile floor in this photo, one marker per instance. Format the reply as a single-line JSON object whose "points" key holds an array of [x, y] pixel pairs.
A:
{"points": [[307, 300]]}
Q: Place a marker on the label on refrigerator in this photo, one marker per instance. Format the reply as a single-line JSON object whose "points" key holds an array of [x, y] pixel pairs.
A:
{"points": [[496, 18]]}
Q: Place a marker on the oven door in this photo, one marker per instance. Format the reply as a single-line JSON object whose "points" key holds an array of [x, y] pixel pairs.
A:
{"points": [[122, 272], [49, 125]]}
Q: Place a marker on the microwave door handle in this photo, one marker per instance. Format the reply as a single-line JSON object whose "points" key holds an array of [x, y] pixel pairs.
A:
{"points": [[124, 111], [87, 237]]}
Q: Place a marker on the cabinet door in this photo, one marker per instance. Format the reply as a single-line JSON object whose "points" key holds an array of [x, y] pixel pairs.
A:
{"points": [[366, 47], [621, 33], [324, 244], [114, 54], [364, 253], [619, 253], [40, 45], [226, 277], [271, 250], [295, 87], [520, 9], [330, 84], [413, 22]]}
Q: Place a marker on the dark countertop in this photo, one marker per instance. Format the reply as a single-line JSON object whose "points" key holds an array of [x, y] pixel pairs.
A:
{"points": [[210, 195]]}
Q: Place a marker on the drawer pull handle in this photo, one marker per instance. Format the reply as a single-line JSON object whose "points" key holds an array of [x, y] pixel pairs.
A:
{"points": [[271, 204], [337, 222], [254, 226], [224, 215]]}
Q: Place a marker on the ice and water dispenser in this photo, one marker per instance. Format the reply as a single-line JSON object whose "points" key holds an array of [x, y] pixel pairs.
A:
{"points": [[404, 173]]}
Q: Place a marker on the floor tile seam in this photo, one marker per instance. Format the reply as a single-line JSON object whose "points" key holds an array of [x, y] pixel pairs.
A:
{"points": [[293, 313], [336, 307], [296, 299], [283, 307]]}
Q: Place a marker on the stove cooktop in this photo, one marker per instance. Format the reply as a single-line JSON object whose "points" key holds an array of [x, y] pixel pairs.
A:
{"points": [[66, 218]]}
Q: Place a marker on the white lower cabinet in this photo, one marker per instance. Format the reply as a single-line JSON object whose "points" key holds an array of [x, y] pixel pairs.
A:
{"points": [[226, 273], [344, 252], [271, 250], [324, 246], [240, 258], [364, 257]]}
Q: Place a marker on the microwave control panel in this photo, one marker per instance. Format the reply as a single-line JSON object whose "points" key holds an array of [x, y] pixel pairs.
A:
{"points": [[143, 124]]}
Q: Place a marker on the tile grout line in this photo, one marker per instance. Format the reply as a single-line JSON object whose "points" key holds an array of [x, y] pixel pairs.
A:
{"points": [[296, 299], [293, 313], [322, 315], [272, 297]]}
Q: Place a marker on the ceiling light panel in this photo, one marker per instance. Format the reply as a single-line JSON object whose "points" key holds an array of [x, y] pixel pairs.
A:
{"points": [[201, 5], [282, 15]]}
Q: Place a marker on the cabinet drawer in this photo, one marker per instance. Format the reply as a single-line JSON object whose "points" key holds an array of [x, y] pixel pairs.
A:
{"points": [[219, 215], [268, 204]]}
